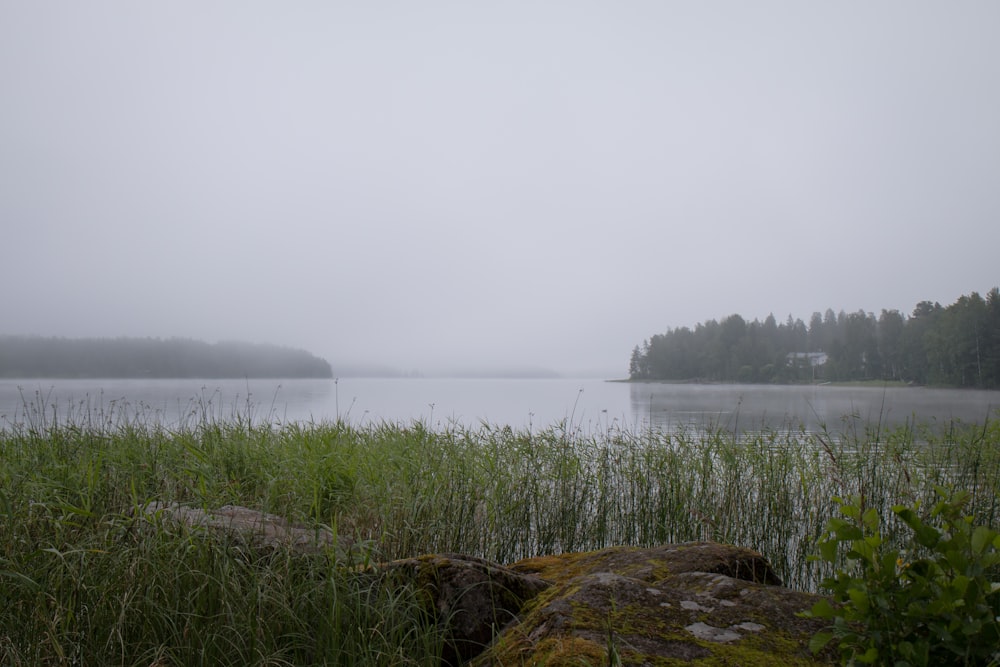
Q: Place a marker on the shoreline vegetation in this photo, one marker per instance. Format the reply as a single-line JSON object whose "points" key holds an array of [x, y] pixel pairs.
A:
{"points": [[87, 579], [152, 358], [954, 346], [876, 384], [846, 383]]}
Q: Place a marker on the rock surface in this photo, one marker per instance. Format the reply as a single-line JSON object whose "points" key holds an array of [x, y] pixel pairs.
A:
{"points": [[255, 528], [473, 598], [696, 603]]}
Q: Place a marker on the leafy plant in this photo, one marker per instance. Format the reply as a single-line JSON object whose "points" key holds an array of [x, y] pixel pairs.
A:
{"points": [[933, 603]]}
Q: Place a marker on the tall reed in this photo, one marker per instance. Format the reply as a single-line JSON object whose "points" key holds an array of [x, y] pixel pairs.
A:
{"points": [[83, 582]]}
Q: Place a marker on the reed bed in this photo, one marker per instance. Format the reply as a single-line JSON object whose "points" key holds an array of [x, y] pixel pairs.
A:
{"points": [[81, 583]]}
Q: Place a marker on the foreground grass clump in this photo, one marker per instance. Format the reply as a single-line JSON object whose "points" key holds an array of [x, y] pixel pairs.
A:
{"points": [[85, 580]]}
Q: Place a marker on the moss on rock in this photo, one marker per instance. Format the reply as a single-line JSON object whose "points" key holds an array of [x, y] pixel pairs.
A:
{"points": [[696, 603]]}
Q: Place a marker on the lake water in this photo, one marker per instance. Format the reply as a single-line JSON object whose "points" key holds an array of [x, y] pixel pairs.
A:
{"points": [[588, 404]]}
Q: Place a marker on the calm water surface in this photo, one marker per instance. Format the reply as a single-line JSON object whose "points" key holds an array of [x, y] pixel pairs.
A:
{"points": [[751, 407], [589, 404]]}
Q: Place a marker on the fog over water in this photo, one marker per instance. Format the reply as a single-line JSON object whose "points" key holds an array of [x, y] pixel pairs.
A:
{"points": [[516, 187], [590, 405]]}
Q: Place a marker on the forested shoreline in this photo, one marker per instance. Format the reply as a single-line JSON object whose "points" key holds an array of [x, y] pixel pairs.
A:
{"points": [[42, 357], [956, 345]]}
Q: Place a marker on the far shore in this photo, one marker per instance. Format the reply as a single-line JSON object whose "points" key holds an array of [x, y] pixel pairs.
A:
{"points": [[878, 384]]}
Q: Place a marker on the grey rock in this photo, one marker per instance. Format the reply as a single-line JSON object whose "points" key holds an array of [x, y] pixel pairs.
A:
{"points": [[248, 526], [697, 603]]}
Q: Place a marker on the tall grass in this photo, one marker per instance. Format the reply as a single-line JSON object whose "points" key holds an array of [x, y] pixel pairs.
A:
{"points": [[83, 580]]}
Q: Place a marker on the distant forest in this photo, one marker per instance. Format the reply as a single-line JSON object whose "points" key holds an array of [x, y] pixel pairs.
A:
{"points": [[38, 357], [957, 345]]}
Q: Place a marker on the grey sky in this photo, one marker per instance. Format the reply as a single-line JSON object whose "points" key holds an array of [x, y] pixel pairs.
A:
{"points": [[432, 185]]}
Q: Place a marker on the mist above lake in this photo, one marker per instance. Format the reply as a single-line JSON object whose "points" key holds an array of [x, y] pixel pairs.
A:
{"points": [[587, 404], [439, 186]]}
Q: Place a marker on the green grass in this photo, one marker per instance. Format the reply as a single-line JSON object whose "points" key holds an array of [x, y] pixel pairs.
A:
{"points": [[82, 582]]}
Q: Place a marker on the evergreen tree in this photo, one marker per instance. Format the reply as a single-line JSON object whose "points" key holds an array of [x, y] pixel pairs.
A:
{"points": [[958, 345]]}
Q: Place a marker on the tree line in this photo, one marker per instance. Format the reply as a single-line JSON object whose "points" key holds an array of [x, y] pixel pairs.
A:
{"points": [[957, 345], [40, 357]]}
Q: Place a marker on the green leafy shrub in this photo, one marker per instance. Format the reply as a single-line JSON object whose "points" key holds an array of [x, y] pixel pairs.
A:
{"points": [[933, 603]]}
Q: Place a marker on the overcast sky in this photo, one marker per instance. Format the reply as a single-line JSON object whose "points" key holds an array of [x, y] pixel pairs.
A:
{"points": [[444, 185]]}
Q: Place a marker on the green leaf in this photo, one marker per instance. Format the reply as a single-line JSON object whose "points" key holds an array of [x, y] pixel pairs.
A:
{"points": [[861, 550], [20, 579], [870, 519], [960, 583], [859, 599], [907, 515], [852, 511], [874, 541], [981, 538], [79, 511], [972, 627], [828, 551], [889, 559], [927, 536], [957, 560], [822, 609], [844, 530], [819, 641], [870, 656]]}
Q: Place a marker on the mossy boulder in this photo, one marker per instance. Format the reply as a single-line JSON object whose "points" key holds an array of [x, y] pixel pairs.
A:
{"points": [[472, 598], [696, 603]]}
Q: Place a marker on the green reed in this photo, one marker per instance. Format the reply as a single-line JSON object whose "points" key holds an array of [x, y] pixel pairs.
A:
{"points": [[83, 580]]}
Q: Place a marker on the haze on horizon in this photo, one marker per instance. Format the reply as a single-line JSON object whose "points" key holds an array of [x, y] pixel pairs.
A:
{"points": [[442, 186]]}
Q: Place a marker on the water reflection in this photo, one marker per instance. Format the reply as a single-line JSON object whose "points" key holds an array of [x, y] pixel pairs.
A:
{"points": [[754, 407], [171, 403], [588, 405]]}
